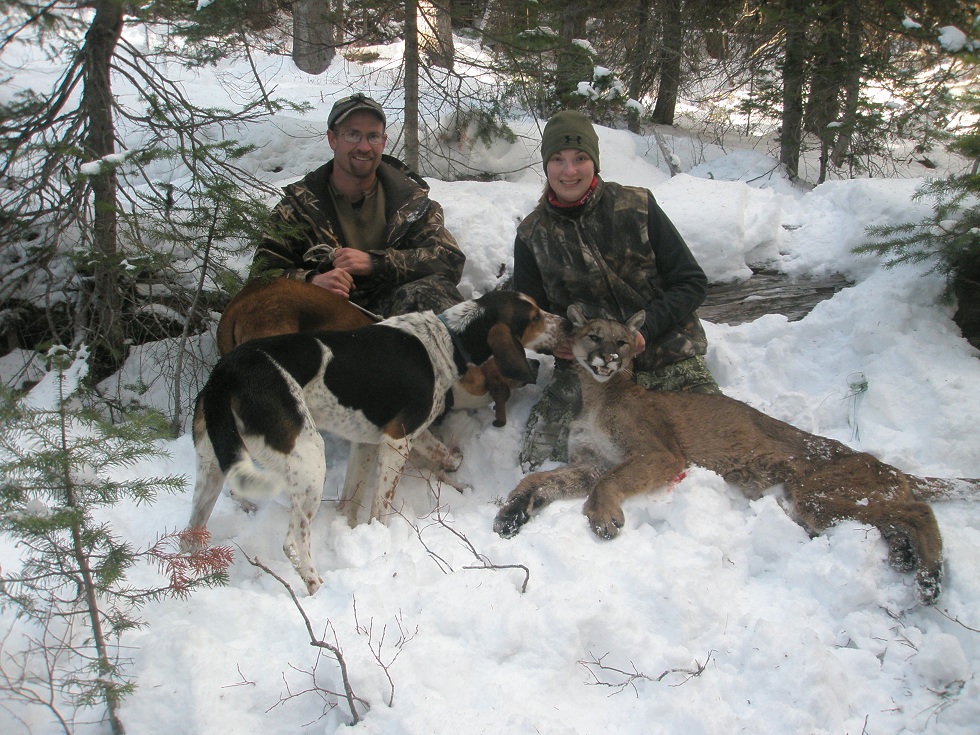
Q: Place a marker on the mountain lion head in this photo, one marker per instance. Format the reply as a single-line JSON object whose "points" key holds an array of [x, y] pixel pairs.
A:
{"points": [[601, 346]]}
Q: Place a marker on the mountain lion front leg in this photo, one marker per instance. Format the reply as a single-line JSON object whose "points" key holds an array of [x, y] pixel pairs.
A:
{"points": [[540, 488], [641, 473]]}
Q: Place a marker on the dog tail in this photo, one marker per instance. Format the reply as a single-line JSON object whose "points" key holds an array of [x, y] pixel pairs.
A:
{"points": [[945, 488], [250, 480]]}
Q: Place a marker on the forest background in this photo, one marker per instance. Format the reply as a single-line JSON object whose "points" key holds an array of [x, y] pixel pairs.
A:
{"points": [[98, 250]]}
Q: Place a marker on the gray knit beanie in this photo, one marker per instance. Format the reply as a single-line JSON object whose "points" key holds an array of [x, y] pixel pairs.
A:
{"points": [[569, 129]]}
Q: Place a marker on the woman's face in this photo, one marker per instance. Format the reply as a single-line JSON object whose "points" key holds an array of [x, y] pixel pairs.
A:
{"points": [[570, 173]]}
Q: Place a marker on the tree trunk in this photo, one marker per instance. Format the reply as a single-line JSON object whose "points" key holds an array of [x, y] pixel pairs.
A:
{"points": [[641, 52], [671, 49], [966, 288], [435, 27], [103, 320], [794, 79], [827, 78], [317, 29], [411, 155], [823, 100], [853, 53], [260, 15], [574, 63]]}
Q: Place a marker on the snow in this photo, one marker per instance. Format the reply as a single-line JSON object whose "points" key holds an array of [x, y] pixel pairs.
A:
{"points": [[953, 40], [708, 615]]}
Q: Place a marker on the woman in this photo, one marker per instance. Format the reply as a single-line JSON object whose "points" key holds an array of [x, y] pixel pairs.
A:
{"points": [[611, 249]]}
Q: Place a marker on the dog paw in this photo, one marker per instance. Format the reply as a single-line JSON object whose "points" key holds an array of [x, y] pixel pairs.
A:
{"points": [[312, 582], [246, 505], [454, 460], [193, 540]]}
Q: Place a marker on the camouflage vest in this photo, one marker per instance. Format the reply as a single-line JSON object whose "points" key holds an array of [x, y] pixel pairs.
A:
{"points": [[600, 256]]}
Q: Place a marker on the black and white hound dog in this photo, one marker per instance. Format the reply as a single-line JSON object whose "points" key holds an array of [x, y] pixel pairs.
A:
{"points": [[258, 418]]}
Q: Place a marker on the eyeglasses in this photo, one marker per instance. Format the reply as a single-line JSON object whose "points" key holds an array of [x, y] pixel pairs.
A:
{"points": [[354, 137]]}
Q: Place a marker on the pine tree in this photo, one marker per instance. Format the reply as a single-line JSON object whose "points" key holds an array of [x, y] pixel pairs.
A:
{"points": [[106, 169], [949, 238], [60, 461]]}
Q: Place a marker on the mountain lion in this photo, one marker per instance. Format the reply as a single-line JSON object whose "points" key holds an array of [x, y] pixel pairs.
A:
{"points": [[627, 440]]}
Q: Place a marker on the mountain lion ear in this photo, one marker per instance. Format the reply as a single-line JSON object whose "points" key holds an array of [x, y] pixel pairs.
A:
{"points": [[636, 321], [576, 315]]}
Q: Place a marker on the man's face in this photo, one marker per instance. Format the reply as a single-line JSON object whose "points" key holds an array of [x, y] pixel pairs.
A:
{"points": [[360, 159]]}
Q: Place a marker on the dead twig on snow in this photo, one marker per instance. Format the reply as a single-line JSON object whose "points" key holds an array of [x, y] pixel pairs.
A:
{"points": [[352, 699], [630, 677]]}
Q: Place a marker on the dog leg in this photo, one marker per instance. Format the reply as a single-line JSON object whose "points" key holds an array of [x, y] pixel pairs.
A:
{"points": [[392, 456], [428, 453], [640, 474], [540, 488], [360, 465], [207, 488], [305, 471], [437, 454]]}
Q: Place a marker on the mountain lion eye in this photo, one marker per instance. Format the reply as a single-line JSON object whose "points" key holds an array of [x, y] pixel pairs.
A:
{"points": [[595, 338]]}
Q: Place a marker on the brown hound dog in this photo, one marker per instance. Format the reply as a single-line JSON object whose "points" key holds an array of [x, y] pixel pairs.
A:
{"points": [[628, 440]]}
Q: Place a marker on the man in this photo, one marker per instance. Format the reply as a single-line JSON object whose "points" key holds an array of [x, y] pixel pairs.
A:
{"points": [[362, 225]]}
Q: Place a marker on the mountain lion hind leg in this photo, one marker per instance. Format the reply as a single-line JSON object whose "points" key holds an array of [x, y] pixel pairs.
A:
{"points": [[860, 487]]}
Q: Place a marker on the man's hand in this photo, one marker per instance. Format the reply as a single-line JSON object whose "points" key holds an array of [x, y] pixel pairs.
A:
{"points": [[347, 263], [355, 262], [338, 281]]}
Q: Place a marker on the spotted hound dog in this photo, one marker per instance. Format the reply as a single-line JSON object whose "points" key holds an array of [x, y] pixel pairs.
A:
{"points": [[268, 306], [258, 417]]}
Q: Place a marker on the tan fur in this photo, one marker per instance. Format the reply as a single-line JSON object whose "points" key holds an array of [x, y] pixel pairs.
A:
{"points": [[267, 307], [628, 440]]}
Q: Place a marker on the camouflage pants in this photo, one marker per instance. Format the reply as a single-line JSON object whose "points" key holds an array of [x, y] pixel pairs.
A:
{"points": [[546, 433], [431, 293]]}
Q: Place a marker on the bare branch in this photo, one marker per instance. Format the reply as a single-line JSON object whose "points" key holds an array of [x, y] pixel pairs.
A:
{"points": [[624, 678], [376, 647], [440, 522], [352, 699]]}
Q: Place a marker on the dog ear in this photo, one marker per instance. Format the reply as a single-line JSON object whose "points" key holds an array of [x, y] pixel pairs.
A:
{"points": [[509, 353], [636, 321], [576, 315]]}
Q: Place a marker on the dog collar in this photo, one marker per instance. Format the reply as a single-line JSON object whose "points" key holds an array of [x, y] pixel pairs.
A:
{"points": [[460, 353]]}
